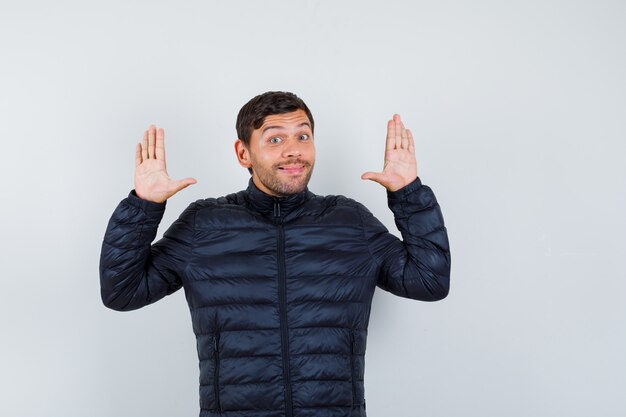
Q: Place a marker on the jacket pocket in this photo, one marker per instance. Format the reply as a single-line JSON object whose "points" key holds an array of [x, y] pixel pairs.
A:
{"points": [[352, 367], [216, 371]]}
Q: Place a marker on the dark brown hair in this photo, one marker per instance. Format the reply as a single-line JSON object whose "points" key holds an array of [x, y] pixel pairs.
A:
{"points": [[253, 113]]}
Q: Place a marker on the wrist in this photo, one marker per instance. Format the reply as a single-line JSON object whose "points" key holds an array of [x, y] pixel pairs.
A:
{"points": [[406, 189], [146, 198], [145, 205]]}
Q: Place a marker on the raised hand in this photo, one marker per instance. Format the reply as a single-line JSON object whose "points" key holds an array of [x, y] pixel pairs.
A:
{"points": [[151, 180], [400, 167]]}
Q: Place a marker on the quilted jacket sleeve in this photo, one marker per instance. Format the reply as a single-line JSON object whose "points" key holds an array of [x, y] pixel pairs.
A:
{"points": [[134, 273], [417, 267]]}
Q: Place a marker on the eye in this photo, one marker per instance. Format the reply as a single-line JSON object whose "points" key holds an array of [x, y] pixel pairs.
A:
{"points": [[304, 137], [275, 139]]}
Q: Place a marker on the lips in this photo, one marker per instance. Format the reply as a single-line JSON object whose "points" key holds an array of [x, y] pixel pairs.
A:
{"points": [[292, 169]]}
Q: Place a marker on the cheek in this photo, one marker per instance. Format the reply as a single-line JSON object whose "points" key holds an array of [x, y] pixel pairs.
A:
{"points": [[264, 157], [310, 151]]}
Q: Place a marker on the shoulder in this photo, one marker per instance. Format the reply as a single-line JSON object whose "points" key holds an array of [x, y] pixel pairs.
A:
{"points": [[232, 200], [227, 211], [337, 206], [342, 201], [350, 212]]}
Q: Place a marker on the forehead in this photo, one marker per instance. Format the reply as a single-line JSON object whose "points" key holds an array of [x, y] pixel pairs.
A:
{"points": [[285, 120]]}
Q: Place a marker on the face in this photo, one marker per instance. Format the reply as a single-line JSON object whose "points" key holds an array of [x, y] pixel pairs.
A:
{"points": [[281, 154]]}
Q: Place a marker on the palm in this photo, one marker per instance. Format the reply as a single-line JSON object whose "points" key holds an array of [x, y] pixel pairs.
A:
{"points": [[151, 180], [400, 166]]}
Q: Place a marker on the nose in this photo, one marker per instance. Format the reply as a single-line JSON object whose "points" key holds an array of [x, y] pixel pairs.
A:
{"points": [[292, 150]]}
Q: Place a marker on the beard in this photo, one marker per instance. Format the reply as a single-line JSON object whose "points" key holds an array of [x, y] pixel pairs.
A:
{"points": [[287, 185]]}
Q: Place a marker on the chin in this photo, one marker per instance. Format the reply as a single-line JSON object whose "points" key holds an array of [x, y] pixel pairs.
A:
{"points": [[294, 187], [285, 191]]}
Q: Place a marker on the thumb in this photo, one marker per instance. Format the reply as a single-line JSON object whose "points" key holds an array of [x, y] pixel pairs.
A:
{"points": [[180, 184], [378, 177]]}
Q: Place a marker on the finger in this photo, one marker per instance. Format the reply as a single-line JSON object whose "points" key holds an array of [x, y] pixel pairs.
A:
{"points": [[188, 181], [184, 183], [411, 146], [138, 154], [151, 135], [391, 136], [160, 144], [398, 130], [144, 146], [405, 138], [378, 177]]}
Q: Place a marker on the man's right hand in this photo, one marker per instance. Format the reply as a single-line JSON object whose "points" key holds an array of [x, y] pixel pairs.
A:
{"points": [[151, 180]]}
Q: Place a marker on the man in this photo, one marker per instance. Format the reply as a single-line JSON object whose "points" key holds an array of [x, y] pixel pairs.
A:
{"points": [[279, 281]]}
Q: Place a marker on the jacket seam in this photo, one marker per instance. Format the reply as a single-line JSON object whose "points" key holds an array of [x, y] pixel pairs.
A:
{"points": [[194, 240], [369, 250], [273, 328], [139, 252]]}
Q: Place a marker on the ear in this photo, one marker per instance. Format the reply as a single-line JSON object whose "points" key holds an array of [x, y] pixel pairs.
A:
{"points": [[243, 154]]}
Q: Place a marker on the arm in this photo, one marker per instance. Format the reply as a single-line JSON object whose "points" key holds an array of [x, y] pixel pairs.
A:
{"points": [[419, 266], [133, 273]]}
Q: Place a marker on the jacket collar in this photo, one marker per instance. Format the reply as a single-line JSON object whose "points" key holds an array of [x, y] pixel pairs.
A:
{"points": [[274, 206]]}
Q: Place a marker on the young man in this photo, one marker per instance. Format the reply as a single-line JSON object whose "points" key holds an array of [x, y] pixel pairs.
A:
{"points": [[279, 281]]}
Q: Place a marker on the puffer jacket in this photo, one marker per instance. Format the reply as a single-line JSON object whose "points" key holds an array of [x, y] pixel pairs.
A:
{"points": [[279, 290]]}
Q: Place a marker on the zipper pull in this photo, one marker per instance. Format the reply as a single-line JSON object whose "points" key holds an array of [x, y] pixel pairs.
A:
{"points": [[276, 209]]}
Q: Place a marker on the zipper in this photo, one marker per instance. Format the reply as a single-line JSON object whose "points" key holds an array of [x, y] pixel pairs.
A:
{"points": [[282, 300], [216, 372], [352, 357], [277, 210]]}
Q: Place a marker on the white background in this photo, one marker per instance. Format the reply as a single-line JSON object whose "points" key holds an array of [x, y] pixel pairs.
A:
{"points": [[519, 114]]}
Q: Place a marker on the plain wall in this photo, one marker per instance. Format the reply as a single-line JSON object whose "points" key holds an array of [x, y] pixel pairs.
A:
{"points": [[519, 113]]}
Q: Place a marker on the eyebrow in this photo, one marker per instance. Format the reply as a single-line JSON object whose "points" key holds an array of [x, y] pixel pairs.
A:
{"points": [[282, 128]]}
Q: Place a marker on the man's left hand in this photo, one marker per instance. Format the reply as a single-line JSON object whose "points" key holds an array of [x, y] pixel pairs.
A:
{"points": [[400, 167]]}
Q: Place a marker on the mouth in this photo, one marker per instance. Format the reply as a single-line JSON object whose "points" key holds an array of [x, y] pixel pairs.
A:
{"points": [[292, 169]]}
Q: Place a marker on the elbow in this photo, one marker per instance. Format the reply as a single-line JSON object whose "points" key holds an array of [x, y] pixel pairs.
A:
{"points": [[440, 283], [427, 281], [442, 289], [440, 294], [116, 302], [112, 302], [119, 293], [433, 288]]}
